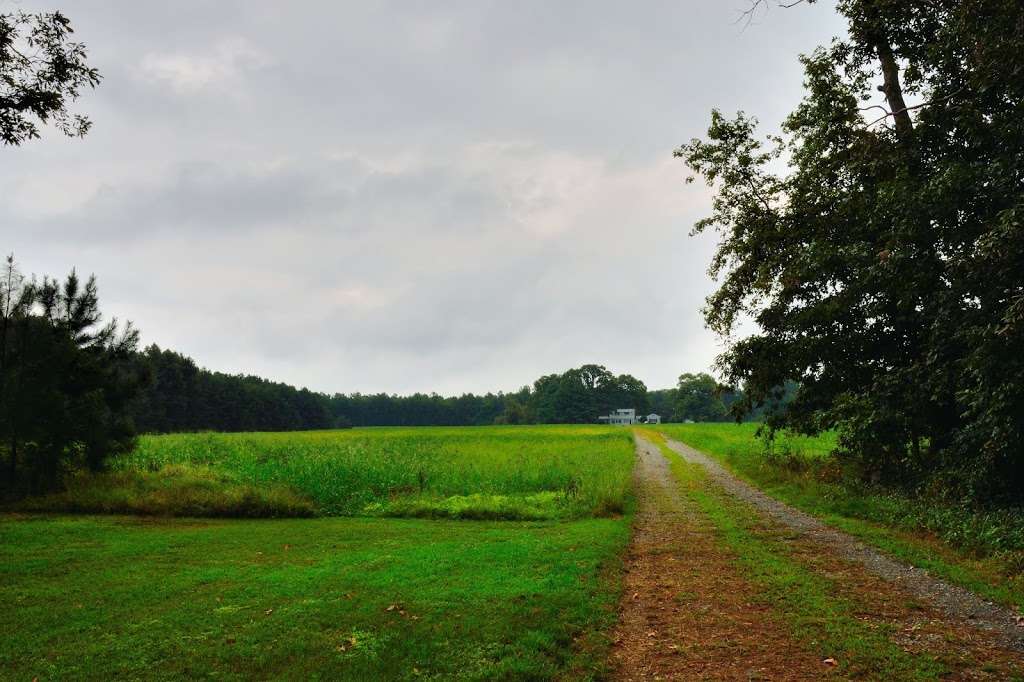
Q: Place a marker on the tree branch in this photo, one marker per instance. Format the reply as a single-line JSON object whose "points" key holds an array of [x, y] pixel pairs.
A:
{"points": [[747, 15]]}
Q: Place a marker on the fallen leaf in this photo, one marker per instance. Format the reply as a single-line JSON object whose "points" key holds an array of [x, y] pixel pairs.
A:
{"points": [[230, 640]]}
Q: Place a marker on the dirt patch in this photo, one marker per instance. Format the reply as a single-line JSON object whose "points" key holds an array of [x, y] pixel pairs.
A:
{"points": [[946, 607], [687, 613]]}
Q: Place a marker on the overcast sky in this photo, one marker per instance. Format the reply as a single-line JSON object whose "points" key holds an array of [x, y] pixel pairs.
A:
{"points": [[401, 196]]}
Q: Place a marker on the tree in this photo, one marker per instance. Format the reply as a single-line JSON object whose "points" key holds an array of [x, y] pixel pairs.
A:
{"points": [[698, 399], [626, 391], [41, 72], [662, 402], [883, 267], [66, 380]]}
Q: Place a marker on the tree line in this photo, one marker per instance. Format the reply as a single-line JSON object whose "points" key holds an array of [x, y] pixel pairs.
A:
{"points": [[75, 391], [180, 396]]}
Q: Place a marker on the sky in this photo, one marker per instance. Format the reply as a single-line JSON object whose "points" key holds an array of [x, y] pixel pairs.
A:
{"points": [[401, 196]]}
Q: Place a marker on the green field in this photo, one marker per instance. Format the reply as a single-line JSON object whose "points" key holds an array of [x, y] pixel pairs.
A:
{"points": [[111, 597], [510, 570], [530, 596], [525, 473]]}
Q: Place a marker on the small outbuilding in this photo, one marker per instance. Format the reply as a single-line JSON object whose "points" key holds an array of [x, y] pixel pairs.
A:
{"points": [[653, 418]]}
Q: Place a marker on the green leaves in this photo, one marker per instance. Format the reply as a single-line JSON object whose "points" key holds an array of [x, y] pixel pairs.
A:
{"points": [[41, 71], [884, 270]]}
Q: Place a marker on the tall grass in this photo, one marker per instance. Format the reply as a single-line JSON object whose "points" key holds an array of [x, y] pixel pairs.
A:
{"points": [[461, 472]]}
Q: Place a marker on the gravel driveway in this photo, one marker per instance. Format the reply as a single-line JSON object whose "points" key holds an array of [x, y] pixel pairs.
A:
{"points": [[956, 602]]}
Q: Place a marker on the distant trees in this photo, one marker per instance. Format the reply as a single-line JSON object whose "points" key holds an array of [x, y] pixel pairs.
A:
{"points": [[699, 399], [885, 267], [662, 402], [581, 395], [41, 72], [183, 397], [421, 409], [66, 380]]}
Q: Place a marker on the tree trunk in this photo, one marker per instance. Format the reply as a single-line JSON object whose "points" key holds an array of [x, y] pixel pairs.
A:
{"points": [[892, 89], [12, 468]]}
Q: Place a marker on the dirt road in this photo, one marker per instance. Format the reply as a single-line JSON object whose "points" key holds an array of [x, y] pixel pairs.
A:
{"points": [[687, 612], [694, 607]]}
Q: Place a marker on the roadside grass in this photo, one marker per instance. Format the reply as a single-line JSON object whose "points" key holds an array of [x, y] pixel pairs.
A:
{"points": [[982, 551], [512, 472], [90, 598], [807, 601]]}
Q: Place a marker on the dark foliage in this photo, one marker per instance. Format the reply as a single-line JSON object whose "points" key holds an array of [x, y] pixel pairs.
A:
{"points": [[580, 396], [41, 72], [183, 397], [885, 269], [65, 380]]}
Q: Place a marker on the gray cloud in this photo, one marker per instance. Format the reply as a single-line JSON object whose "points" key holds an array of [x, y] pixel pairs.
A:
{"points": [[398, 196]]}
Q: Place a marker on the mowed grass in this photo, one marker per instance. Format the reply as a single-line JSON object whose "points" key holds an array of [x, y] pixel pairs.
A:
{"points": [[980, 550], [517, 472], [99, 598]]}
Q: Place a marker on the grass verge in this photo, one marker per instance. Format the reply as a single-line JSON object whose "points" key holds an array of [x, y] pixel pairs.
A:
{"points": [[979, 551], [90, 598]]}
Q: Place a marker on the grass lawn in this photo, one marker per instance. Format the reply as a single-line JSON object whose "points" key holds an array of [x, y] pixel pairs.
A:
{"points": [[332, 598], [981, 551]]}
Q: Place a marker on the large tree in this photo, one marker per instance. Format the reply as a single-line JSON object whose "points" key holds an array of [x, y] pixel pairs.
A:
{"points": [[884, 266], [699, 399], [66, 380], [41, 72]]}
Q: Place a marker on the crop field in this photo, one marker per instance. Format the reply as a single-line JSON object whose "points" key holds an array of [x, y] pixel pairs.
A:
{"points": [[525, 473]]}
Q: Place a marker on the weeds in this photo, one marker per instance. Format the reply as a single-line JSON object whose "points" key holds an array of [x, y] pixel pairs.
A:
{"points": [[524, 473]]}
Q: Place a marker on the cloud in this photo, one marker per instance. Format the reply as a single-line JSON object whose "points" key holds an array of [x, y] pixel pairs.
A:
{"points": [[189, 73], [401, 196]]}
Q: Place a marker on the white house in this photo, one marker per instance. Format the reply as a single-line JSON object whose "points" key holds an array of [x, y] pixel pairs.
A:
{"points": [[620, 417], [653, 418]]}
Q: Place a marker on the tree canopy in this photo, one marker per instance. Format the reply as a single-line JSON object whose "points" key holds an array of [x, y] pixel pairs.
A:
{"points": [[41, 72], [884, 263], [66, 379]]}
